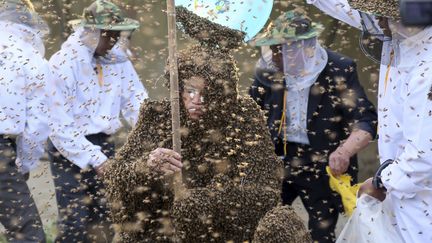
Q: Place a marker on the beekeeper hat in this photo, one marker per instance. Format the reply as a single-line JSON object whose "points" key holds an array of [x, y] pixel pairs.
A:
{"points": [[290, 26], [105, 15]]}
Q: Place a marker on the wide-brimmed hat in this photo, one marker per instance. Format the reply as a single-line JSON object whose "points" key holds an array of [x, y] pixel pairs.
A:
{"points": [[385, 8], [105, 15], [291, 26]]}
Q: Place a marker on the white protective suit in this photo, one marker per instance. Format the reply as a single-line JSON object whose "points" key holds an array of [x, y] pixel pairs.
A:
{"points": [[405, 124], [88, 103], [24, 75]]}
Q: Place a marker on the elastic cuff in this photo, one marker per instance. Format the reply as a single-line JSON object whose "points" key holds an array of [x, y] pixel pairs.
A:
{"points": [[98, 159], [25, 167], [376, 181]]}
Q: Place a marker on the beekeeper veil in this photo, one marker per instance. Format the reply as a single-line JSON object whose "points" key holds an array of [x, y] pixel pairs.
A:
{"points": [[401, 32], [303, 61], [85, 37], [88, 37], [103, 16], [373, 39], [22, 24], [383, 32], [296, 37], [382, 37], [121, 50], [22, 12]]}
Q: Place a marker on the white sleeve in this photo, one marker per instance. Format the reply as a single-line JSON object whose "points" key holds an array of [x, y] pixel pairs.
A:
{"points": [[133, 94], [65, 135], [31, 142], [411, 172], [339, 9]]}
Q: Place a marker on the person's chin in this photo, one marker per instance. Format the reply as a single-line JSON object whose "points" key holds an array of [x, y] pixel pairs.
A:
{"points": [[195, 115], [100, 54]]}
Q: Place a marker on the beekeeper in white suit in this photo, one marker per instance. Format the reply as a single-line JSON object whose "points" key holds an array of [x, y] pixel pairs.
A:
{"points": [[96, 85], [404, 110], [24, 74]]}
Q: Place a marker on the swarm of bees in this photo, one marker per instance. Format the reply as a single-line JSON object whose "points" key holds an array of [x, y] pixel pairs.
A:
{"points": [[208, 33], [233, 182]]}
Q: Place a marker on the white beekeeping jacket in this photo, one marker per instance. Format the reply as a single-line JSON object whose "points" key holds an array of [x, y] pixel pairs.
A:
{"points": [[405, 125], [405, 103], [90, 98], [339, 9], [405, 130], [24, 74]]}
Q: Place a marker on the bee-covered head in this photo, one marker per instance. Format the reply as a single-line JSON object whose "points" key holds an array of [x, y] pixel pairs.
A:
{"points": [[207, 79]]}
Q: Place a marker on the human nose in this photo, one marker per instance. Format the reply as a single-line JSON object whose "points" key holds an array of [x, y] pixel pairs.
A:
{"points": [[198, 98]]}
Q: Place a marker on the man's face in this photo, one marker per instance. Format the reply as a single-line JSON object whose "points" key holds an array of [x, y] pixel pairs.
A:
{"points": [[277, 56], [193, 97], [107, 40], [384, 25]]}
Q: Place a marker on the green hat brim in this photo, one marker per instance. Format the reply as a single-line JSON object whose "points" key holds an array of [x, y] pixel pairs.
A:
{"points": [[265, 40], [126, 25]]}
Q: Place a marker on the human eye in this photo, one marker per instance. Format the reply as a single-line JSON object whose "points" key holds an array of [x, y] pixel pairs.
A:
{"points": [[191, 92]]}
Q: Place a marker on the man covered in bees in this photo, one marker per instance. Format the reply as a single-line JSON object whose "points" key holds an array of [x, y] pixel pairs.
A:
{"points": [[225, 162]]}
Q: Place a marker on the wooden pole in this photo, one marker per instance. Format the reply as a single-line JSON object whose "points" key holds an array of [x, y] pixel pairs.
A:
{"points": [[179, 190]]}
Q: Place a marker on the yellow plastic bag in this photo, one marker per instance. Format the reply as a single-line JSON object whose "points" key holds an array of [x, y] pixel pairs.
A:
{"points": [[348, 193]]}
